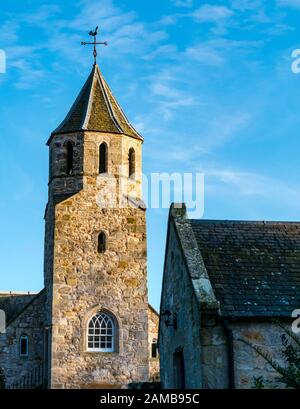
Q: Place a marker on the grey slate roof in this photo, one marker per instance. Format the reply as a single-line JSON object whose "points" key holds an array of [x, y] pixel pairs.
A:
{"points": [[14, 303], [254, 267], [96, 109]]}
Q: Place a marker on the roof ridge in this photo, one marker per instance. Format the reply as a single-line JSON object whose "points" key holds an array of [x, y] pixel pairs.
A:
{"points": [[227, 221], [17, 293], [108, 104], [89, 103]]}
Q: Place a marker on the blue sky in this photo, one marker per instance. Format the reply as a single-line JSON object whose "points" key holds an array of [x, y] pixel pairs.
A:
{"points": [[208, 84]]}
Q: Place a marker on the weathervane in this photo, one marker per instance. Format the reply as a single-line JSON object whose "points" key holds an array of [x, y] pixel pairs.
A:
{"points": [[94, 34]]}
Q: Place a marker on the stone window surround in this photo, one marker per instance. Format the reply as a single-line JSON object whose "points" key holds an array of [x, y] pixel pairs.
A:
{"points": [[95, 240], [118, 334]]}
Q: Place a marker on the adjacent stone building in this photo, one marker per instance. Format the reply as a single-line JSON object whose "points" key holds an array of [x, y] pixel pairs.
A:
{"points": [[89, 327], [153, 323], [225, 281]]}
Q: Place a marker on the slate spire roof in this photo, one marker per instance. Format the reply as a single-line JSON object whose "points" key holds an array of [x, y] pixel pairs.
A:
{"points": [[96, 109]]}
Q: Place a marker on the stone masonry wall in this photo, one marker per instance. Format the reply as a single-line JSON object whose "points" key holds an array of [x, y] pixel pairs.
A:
{"points": [[85, 282], [214, 358], [247, 363], [178, 297], [30, 322]]}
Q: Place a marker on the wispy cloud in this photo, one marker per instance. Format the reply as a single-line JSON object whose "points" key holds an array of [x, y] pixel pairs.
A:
{"points": [[244, 5], [289, 3], [210, 13], [168, 90], [60, 38], [218, 51], [8, 32], [182, 3], [172, 99], [206, 54], [251, 184], [224, 128], [168, 51]]}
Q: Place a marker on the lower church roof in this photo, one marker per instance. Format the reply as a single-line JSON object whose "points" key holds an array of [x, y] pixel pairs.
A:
{"points": [[13, 303], [253, 267]]}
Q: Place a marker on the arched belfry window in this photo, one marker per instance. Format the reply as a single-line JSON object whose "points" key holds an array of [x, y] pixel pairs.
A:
{"points": [[69, 149], [101, 333], [103, 158], [131, 160], [101, 242]]}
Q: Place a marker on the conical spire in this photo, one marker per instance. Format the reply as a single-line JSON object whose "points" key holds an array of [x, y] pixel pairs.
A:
{"points": [[96, 109]]}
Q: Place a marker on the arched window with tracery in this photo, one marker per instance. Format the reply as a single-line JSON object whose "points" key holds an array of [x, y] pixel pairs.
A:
{"points": [[101, 333], [103, 155], [131, 160]]}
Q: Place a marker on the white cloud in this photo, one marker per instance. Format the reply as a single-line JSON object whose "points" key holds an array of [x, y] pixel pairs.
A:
{"points": [[251, 184], [110, 17], [164, 51], [171, 98], [289, 3], [8, 32], [167, 108], [169, 20], [165, 91], [182, 3], [244, 5], [125, 33], [42, 15], [209, 13], [223, 129], [205, 54], [218, 51]]}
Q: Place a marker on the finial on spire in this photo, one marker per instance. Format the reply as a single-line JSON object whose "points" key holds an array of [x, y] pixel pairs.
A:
{"points": [[94, 34]]}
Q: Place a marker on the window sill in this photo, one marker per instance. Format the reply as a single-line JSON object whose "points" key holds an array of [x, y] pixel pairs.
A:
{"points": [[101, 353]]}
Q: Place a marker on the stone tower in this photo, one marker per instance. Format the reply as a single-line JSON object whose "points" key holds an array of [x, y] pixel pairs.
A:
{"points": [[95, 246]]}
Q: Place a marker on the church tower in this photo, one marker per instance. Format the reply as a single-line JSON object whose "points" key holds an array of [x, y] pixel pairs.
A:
{"points": [[95, 246]]}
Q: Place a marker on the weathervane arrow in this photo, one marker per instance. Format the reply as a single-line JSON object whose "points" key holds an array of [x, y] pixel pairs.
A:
{"points": [[94, 43]]}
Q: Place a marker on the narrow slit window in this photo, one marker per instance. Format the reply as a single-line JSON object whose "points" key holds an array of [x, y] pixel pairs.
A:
{"points": [[69, 168], [101, 242], [131, 160], [24, 345], [154, 349], [103, 158]]}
